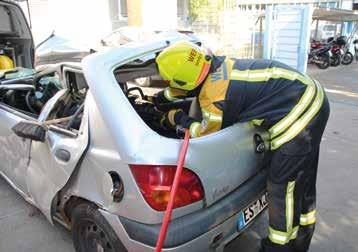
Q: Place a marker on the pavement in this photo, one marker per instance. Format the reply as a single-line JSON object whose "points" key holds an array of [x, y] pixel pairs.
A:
{"points": [[23, 228]]}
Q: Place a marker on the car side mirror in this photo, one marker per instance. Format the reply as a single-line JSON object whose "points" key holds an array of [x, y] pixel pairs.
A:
{"points": [[30, 130]]}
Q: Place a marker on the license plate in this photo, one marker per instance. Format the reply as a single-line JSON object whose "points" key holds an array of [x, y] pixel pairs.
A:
{"points": [[250, 212]]}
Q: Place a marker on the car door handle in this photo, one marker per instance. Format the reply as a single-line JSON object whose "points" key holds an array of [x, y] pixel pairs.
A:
{"points": [[63, 155]]}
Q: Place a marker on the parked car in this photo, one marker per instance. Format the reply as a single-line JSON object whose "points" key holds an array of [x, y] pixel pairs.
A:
{"points": [[324, 32], [56, 49], [328, 31], [86, 148], [128, 34]]}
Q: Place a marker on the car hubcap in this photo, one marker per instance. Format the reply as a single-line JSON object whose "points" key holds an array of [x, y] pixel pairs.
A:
{"points": [[100, 248], [94, 239]]}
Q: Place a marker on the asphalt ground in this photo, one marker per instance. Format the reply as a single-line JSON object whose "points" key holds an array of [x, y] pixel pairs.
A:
{"points": [[23, 228]]}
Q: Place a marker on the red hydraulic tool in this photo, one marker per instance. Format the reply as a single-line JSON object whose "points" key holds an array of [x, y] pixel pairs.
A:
{"points": [[173, 192]]}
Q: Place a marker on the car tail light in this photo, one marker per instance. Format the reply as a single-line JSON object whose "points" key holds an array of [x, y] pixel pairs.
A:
{"points": [[155, 183]]}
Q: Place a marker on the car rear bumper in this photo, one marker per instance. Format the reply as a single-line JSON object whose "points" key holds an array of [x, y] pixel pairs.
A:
{"points": [[209, 229]]}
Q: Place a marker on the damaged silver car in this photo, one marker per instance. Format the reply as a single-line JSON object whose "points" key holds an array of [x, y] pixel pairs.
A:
{"points": [[85, 146]]}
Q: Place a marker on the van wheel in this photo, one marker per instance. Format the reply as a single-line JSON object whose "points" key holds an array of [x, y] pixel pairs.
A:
{"points": [[92, 233]]}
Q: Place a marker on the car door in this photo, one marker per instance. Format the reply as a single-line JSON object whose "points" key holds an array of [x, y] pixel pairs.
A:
{"points": [[15, 106], [52, 162], [14, 150]]}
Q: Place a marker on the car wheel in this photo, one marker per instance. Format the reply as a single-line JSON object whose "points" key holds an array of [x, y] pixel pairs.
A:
{"points": [[347, 58], [91, 232]]}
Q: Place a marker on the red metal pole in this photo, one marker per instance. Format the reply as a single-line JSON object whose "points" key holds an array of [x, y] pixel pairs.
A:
{"points": [[173, 192]]}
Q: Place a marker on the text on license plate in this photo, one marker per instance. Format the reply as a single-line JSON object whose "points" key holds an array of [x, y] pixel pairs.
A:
{"points": [[250, 212]]}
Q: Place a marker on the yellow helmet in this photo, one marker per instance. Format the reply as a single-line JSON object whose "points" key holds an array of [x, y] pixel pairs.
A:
{"points": [[6, 63], [184, 64]]}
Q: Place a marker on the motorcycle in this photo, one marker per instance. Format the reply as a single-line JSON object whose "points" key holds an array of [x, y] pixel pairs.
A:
{"points": [[346, 56], [320, 56], [335, 58], [339, 50], [336, 55]]}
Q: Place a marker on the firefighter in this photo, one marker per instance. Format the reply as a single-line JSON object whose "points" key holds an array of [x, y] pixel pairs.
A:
{"points": [[290, 105]]}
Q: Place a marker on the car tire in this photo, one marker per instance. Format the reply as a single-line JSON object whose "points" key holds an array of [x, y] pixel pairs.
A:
{"points": [[91, 232], [347, 58]]}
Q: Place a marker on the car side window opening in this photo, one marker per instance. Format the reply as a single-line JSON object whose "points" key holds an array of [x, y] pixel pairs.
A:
{"points": [[30, 98], [29, 95], [68, 111], [45, 88]]}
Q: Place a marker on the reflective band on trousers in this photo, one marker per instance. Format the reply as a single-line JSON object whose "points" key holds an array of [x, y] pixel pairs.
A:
{"points": [[194, 129], [302, 122], [282, 238], [211, 116], [289, 205], [308, 218]]}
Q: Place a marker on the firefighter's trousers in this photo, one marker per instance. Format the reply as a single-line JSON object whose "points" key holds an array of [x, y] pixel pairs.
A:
{"points": [[291, 185]]}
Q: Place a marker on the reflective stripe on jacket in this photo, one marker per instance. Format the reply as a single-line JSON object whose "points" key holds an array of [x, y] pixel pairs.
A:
{"points": [[264, 92]]}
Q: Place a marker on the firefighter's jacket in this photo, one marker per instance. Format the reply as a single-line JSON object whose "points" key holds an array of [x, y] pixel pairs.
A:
{"points": [[264, 92]]}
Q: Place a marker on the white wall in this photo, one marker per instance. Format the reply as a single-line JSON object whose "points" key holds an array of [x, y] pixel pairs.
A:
{"points": [[82, 20], [159, 14], [41, 28], [347, 4]]}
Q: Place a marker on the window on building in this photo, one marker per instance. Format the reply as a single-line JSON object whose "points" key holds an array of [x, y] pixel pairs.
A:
{"points": [[323, 5], [180, 7], [123, 8]]}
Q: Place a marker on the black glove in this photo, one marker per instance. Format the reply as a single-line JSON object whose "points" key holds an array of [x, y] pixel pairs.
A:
{"points": [[176, 117], [167, 121], [158, 99], [180, 130], [182, 119]]}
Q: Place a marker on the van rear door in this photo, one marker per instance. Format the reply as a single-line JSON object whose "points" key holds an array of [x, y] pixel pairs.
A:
{"points": [[16, 39]]}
